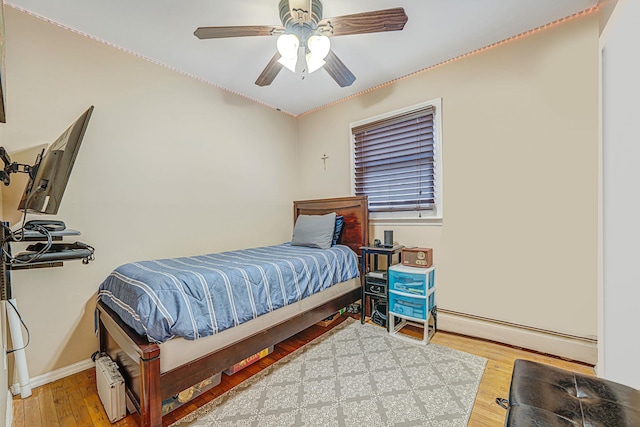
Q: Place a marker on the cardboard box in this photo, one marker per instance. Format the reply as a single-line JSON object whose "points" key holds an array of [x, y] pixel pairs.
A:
{"points": [[190, 393], [248, 361], [329, 320]]}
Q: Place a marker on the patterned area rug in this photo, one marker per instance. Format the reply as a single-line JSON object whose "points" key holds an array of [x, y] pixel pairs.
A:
{"points": [[353, 375]]}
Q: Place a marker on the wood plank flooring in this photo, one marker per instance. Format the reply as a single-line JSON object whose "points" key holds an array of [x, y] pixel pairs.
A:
{"points": [[73, 401]]}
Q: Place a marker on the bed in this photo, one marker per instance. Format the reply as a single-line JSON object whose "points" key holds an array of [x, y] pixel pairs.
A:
{"points": [[154, 372]]}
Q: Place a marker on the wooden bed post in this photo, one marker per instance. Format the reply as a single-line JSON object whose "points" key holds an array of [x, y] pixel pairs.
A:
{"points": [[139, 362], [150, 398]]}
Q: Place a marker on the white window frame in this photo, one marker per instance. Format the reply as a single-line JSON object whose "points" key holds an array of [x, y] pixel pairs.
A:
{"points": [[422, 217]]}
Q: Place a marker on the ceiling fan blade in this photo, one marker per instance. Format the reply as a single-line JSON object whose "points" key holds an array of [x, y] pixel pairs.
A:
{"points": [[366, 22], [270, 71], [238, 31], [338, 71]]}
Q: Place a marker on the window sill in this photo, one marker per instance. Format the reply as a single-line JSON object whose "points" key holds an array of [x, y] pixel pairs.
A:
{"points": [[424, 221]]}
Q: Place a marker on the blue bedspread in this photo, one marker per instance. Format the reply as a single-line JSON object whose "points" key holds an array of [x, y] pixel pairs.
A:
{"points": [[193, 297]]}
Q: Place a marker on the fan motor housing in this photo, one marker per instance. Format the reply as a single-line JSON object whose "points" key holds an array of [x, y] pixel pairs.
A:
{"points": [[301, 18]]}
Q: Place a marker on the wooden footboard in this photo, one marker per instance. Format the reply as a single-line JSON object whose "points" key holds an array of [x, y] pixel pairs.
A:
{"points": [[139, 360]]}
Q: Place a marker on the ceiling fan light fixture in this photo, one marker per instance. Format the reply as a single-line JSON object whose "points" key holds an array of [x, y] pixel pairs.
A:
{"points": [[319, 46], [314, 62], [289, 63], [288, 45]]}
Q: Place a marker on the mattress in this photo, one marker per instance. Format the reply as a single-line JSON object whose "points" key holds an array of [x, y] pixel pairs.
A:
{"points": [[195, 297], [178, 351]]}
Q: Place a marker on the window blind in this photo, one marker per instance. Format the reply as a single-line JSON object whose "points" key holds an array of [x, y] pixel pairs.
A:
{"points": [[394, 162]]}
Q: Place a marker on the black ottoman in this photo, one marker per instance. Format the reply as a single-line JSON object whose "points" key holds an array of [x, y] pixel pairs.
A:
{"points": [[545, 396]]}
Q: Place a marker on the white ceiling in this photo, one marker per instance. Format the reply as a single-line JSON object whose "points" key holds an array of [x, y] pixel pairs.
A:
{"points": [[162, 31]]}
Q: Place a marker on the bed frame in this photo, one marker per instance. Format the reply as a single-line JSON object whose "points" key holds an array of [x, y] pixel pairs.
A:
{"points": [[139, 360]]}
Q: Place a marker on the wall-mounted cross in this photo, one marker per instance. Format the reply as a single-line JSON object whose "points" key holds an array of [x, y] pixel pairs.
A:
{"points": [[324, 159]]}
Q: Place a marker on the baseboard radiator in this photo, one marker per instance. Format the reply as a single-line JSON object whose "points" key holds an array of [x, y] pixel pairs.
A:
{"points": [[566, 346]]}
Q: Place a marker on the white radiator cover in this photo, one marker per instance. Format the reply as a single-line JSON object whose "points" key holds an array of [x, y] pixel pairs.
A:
{"points": [[581, 349], [110, 388]]}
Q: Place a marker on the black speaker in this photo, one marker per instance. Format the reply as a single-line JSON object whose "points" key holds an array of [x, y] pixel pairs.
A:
{"points": [[388, 238], [379, 312]]}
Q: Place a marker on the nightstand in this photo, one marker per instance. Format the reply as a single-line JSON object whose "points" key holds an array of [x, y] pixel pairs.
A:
{"points": [[374, 281]]}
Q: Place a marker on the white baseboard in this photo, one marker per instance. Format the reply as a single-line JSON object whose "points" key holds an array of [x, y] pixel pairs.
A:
{"points": [[52, 376], [566, 346], [9, 417]]}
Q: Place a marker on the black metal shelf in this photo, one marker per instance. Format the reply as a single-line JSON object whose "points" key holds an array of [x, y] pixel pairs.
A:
{"points": [[28, 236], [374, 280]]}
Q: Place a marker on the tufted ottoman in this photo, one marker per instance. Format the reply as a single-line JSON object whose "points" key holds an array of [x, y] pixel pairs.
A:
{"points": [[545, 396]]}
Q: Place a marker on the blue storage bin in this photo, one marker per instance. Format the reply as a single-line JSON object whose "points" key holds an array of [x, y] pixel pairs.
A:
{"points": [[411, 280], [431, 301], [408, 306]]}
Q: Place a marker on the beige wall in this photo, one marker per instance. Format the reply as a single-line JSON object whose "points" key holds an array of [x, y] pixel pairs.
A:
{"points": [[169, 166], [518, 242]]}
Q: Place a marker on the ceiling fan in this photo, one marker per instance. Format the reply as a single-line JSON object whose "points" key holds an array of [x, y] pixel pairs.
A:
{"points": [[303, 44]]}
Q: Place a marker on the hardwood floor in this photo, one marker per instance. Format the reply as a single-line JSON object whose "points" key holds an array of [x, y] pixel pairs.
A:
{"points": [[73, 401]]}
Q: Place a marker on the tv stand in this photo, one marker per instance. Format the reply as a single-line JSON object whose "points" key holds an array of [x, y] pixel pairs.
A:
{"points": [[47, 260]]}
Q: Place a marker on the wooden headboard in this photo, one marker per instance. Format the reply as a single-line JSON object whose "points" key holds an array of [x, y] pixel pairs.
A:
{"points": [[355, 209]]}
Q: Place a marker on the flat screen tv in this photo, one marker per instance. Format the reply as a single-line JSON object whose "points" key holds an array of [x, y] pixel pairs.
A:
{"points": [[50, 174]]}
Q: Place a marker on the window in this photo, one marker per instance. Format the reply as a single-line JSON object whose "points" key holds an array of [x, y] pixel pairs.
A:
{"points": [[397, 162]]}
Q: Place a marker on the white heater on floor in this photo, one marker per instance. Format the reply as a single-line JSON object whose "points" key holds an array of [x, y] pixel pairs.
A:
{"points": [[111, 388]]}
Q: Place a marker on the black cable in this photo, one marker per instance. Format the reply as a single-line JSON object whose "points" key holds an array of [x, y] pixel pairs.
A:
{"points": [[14, 235], [7, 234], [7, 238], [18, 235], [42, 230], [25, 328], [504, 403], [91, 249], [45, 248], [96, 355]]}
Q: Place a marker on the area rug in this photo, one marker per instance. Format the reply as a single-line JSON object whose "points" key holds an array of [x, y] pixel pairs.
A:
{"points": [[353, 375]]}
